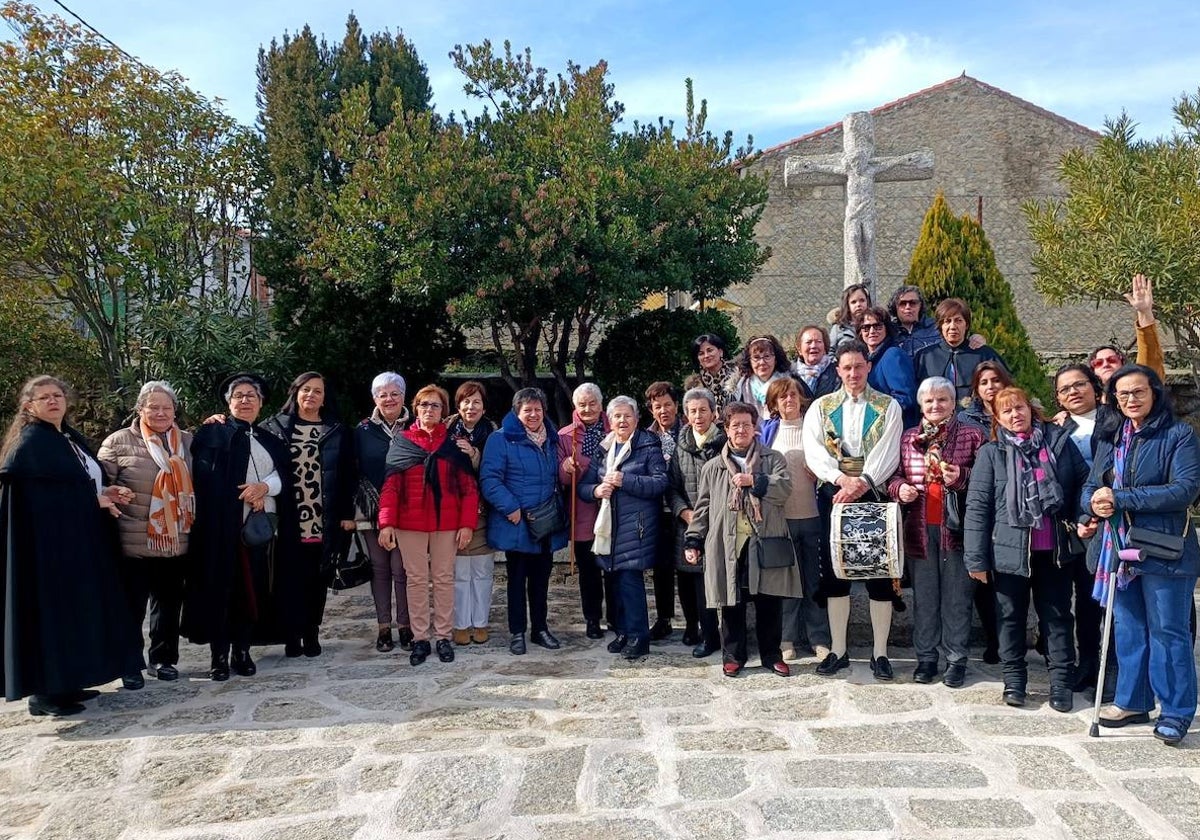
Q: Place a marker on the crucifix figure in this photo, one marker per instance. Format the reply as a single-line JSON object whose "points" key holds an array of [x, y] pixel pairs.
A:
{"points": [[858, 170]]}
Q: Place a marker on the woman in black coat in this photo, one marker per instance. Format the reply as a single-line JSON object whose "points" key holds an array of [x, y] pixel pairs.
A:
{"points": [[239, 594], [64, 624], [628, 477], [1020, 527], [322, 468]]}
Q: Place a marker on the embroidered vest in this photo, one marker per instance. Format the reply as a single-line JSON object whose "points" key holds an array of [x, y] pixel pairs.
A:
{"points": [[874, 419]]}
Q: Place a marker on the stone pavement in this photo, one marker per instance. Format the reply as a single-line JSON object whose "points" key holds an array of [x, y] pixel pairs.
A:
{"points": [[575, 744]]}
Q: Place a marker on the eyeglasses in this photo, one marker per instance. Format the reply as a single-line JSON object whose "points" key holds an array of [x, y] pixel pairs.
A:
{"points": [[900, 303], [429, 405], [870, 327], [45, 398], [740, 427], [1081, 385], [761, 357], [245, 396], [390, 395], [1106, 361], [1136, 394]]}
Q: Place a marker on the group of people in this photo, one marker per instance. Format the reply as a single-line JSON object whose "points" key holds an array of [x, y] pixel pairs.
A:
{"points": [[730, 496]]}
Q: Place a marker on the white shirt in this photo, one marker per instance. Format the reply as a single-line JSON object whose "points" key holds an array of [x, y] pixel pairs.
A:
{"points": [[880, 462]]}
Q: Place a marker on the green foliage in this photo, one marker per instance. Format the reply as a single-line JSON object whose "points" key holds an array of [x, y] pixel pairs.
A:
{"points": [[1132, 207], [655, 346], [320, 109], [953, 258]]}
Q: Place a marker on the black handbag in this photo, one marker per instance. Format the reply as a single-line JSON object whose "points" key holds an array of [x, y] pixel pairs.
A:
{"points": [[774, 552], [952, 515], [1156, 544], [259, 528], [352, 568], [546, 518]]}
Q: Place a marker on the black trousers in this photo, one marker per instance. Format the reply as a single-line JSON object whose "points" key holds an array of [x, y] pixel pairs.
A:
{"points": [[160, 581], [596, 592], [1089, 616], [696, 611], [314, 587], [251, 582], [768, 622], [528, 574], [1050, 586], [664, 567]]}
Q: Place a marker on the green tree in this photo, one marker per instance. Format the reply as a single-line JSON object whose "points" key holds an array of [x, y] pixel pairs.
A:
{"points": [[318, 106], [953, 258], [1133, 206], [122, 190]]}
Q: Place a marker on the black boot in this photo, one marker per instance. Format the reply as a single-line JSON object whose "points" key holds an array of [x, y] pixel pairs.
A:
{"points": [[310, 644], [219, 669], [242, 664]]}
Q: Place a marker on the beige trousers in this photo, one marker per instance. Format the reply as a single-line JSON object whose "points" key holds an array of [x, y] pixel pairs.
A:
{"points": [[426, 556]]}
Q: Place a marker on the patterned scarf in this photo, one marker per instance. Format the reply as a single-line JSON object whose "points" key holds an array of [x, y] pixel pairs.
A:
{"points": [[740, 498], [1032, 488], [538, 437], [1114, 536], [931, 439], [172, 500], [810, 373]]}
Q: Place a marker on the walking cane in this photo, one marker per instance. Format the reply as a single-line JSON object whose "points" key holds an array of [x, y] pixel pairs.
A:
{"points": [[1125, 554]]}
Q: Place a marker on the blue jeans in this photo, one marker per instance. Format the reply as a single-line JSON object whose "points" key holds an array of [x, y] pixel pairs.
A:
{"points": [[1154, 647], [632, 617]]}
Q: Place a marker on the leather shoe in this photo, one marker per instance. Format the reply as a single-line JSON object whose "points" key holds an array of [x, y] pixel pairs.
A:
{"points": [[404, 637], [925, 673], [219, 668], [660, 630], [731, 669], [166, 673], [704, 649], [1061, 698], [384, 643], [691, 635], [956, 674], [594, 631], [544, 638], [445, 650], [310, 645], [881, 668], [242, 664], [636, 649], [781, 669], [1114, 717], [292, 648], [516, 645], [420, 652], [833, 663], [618, 644], [42, 705], [1014, 696], [133, 682]]}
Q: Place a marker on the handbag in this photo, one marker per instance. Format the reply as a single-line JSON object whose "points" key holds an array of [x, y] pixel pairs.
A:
{"points": [[1156, 544], [546, 518], [952, 514], [366, 500], [352, 568], [774, 552], [259, 528]]}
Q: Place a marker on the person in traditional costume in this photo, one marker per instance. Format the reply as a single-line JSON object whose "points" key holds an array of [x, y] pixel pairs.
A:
{"points": [[322, 466], [239, 594], [65, 624], [152, 458], [738, 505], [428, 509], [852, 445]]}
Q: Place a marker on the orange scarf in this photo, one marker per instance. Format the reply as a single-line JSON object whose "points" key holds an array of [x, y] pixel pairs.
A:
{"points": [[173, 500]]}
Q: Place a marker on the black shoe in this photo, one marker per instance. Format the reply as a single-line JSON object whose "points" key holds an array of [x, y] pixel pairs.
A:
{"points": [[242, 664], [544, 638], [42, 705], [404, 638], [637, 649], [384, 643], [420, 652], [925, 673], [833, 663], [445, 650], [1062, 698], [166, 672], [1014, 696], [660, 630], [691, 635], [292, 648], [81, 696], [516, 645], [594, 631], [991, 656], [219, 669], [704, 649], [956, 673], [618, 644], [310, 645], [881, 668], [133, 682]]}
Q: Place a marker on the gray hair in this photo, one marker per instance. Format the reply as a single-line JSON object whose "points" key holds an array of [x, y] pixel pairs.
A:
{"points": [[935, 383], [244, 380], [587, 389], [694, 394], [528, 395], [156, 386], [617, 402], [388, 378]]}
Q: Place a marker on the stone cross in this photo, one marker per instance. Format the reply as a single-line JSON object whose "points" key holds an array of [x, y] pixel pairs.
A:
{"points": [[858, 170]]}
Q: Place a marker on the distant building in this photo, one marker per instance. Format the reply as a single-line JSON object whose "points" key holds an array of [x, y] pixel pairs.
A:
{"points": [[992, 152]]}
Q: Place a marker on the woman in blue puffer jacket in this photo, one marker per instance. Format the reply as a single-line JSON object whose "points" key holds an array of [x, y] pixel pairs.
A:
{"points": [[519, 472], [1146, 475], [627, 477]]}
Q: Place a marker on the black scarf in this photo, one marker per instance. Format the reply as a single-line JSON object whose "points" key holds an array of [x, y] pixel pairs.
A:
{"points": [[404, 454]]}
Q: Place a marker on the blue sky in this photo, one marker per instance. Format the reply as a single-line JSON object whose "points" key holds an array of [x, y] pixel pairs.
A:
{"points": [[774, 69]]}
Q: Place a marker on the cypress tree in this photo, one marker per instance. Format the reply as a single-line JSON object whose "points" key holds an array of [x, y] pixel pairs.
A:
{"points": [[953, 258]]}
